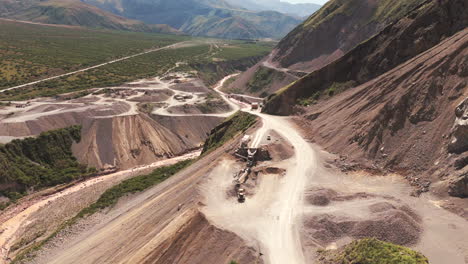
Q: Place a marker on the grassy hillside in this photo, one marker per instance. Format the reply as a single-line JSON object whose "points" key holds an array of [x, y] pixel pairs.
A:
{"points": [[39, 162], [134, 185], [30, 52], [235, 56], [372, 251], [231, 127]]}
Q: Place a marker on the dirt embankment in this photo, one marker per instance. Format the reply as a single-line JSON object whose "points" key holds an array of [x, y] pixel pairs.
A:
{"points": [[161, 225], [210, 73], [403, 120], [397, 223], [211, 243], [259, 80], [415, 33], [128, 141]]}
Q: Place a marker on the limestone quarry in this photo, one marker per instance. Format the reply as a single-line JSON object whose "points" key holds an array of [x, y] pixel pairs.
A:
{"points": [[291, 161]]}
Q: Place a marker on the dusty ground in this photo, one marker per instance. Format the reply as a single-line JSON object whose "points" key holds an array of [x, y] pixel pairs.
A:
{"points": [[149, 228], [304, 204], [38, 216], [114, 130]]}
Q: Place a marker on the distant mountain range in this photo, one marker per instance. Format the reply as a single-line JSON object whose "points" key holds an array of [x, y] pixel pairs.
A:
{"points": [[246, 19], [75, 13], [214, 18], [300, 10]]}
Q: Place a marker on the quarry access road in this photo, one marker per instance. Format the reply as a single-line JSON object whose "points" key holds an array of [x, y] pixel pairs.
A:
{"points": [[276, 228]]}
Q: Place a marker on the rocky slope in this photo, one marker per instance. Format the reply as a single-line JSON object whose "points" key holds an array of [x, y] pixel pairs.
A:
{"points": [[325, 36], [214, 18], [406, 112], [128, 141], [76, 13], [335, 29], [415, 33], [110, 139], [409, 120]]}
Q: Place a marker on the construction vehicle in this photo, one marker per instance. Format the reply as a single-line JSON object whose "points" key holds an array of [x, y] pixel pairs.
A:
{"points": [[254, 106], [243, 175], [245, 141], [240, 195]]}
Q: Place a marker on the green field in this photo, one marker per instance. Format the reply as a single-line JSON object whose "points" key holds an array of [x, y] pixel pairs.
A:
{"points": [[148, 65], [30, 52], [28, 56]]}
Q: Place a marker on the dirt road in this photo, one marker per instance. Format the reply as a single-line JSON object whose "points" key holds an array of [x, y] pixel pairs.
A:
{"points": [[171, 102], [136, 228], [271, 221], [273, 216], [179, 44], [12, 224]]}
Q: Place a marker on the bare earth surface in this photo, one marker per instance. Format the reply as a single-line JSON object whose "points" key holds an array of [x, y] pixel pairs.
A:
{"points": [[302, 203]]}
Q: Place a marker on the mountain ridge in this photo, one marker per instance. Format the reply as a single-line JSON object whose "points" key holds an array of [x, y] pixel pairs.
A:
{"points": [[212, 18], [76, 13]]}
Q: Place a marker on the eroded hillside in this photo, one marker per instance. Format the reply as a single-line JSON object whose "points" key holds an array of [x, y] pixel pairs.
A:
{"points": [[404, 120]]}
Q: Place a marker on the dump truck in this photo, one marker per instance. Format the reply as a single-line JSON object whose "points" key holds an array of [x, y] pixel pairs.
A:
{"points": [[240, 195]]}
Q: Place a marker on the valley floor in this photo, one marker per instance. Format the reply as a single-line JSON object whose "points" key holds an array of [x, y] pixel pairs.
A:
{"points": [[296, 203]]}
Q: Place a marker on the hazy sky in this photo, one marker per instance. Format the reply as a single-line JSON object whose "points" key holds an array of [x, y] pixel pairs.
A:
{"points": [[321, 2]]}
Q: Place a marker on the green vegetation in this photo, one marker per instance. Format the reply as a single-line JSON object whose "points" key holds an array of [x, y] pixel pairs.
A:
{"points": [[109, 198], [133, 185], [373, 251], [152, 64], [149, 65], [238, 50], [262, 78], [231, 127], [30, 52], [39, 162], [309, 100], [233, 262], [333, 89], [336, 87], [77, 13], [385, 11]]}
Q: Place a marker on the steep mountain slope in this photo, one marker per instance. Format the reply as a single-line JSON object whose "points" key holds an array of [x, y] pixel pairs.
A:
{"points": [[334, 30], [326, 36], [408, 120], [418, 31], [299, 9], [76, 13], [203, 18], [407, 114]]}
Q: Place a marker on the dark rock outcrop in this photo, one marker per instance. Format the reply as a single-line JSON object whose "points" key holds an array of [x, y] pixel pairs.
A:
{"points": [[458, 186], [459, 143]]}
